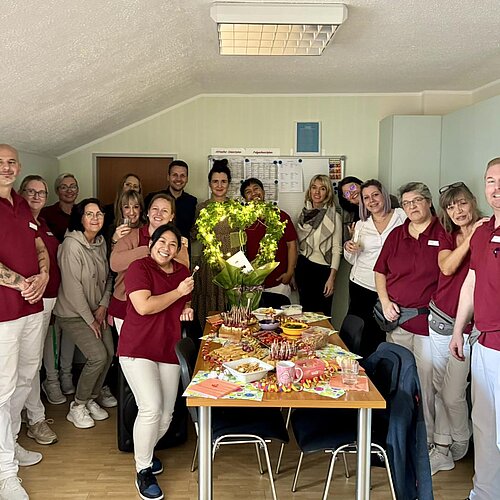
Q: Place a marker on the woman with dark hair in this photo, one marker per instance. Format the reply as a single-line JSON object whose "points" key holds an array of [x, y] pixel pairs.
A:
{"points": [[319, 231], [82, 304], [349, 191], [135, 245], [460, 217], [210, 297], [406, 276], [158, 290], [377, 220]]}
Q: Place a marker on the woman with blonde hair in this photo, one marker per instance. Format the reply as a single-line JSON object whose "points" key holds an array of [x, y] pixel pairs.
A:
{"points": [[319, 231]]}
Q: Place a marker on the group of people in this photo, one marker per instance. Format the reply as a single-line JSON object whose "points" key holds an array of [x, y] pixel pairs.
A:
{"points": [[417, 277]]}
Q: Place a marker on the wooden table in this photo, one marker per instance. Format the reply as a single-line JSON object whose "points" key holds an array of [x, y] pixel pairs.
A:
{"points": [[363, 401]]}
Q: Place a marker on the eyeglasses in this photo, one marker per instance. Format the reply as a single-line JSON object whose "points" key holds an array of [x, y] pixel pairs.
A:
{"points": [[410, 203], [350, 191], [451, 186], [71, 187], [92, 215], [32, 193]]}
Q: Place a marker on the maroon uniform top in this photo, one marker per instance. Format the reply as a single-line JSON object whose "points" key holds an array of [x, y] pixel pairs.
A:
{"points": [[411, 269], [52, 244], [448, 291], [257, 231], [18, 252], [485, 261], [152, 336], [57, 220]]}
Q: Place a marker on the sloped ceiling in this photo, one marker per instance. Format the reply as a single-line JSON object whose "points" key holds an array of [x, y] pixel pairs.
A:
{"points": [[74, 71]]}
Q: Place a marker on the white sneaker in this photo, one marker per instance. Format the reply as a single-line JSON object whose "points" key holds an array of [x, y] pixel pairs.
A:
{"points": [[11, 489], [106, 399], [459, 449], [79, 416], [53, 392], [440, 461], [96, 412], [26, 458]]}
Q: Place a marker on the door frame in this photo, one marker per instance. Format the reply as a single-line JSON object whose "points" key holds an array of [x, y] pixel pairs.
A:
{"points": [[122, 155]]}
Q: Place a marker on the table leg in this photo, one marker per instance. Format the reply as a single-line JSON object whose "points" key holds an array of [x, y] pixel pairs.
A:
{"points": [[364, 447], [205, 453]]}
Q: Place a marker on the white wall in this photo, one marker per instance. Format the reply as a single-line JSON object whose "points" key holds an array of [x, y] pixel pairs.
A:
{"points": [[470, 138], [46, 166]]}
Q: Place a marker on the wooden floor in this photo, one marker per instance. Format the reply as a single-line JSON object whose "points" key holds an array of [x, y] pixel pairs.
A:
{"points": [[86, 464]]}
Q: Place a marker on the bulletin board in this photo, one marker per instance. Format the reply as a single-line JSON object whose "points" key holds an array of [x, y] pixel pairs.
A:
{"points": [[285, 178]]}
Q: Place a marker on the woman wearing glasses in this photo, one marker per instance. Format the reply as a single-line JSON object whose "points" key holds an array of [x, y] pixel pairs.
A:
{"points": [[349, 191], [460, 217], [406, 276], [378, 219], [34, 190], [82, 305]]}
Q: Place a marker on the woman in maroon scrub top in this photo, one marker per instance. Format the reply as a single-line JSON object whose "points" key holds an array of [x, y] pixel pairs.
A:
{"points": [[406, 276], [158, 290]]}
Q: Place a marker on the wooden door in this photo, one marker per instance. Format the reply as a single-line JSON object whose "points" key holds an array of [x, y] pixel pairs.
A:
{"points": [[152, 171]]}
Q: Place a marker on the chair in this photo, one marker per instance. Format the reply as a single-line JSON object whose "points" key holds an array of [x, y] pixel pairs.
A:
{"points": [[256, 426], [351, 332]]}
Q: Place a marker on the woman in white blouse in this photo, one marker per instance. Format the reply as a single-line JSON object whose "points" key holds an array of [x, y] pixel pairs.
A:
{"points": [[377, 220], [319, 230]]}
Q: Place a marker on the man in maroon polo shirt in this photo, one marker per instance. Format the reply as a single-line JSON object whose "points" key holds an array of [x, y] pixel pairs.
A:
{"points": [[480, 296], [277, 290], [24, 266]]}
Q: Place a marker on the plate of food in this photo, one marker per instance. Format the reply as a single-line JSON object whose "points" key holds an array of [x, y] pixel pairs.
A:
{"points": [[248, 369], [266, 313]]}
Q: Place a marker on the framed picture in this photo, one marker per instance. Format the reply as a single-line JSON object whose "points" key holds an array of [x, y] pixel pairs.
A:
{"points": [[308, 138]]}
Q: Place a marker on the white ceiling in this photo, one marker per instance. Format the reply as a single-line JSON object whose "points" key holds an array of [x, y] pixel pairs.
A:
{"points": [[74, 71]]}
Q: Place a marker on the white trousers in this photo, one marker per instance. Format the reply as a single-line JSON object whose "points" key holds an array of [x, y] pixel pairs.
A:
{"points": [[20, 342], [420, 346], [154, 386], [486, 422], [450, 383], [35, 410]]}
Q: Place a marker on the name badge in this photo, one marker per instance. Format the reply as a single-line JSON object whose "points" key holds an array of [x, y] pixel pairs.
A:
{"points": [[33, 226], [49, 233], [433, 243], [495, 239]]}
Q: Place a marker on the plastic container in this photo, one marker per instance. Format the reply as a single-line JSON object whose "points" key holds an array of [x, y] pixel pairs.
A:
{"points": [[314, 340], [232, 368], [292, 309]]}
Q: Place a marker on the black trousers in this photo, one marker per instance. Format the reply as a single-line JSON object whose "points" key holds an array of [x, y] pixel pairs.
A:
{"points": [[311, 279], [361, 304]]}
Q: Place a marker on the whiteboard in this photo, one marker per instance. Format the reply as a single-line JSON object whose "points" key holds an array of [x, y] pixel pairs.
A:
{"points": [[267, 169]]}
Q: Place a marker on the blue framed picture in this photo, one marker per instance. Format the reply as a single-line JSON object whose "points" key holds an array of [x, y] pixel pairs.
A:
{"points": [[308, 138]]}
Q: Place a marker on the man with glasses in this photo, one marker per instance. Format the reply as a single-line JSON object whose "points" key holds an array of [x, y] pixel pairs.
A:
{"points": [[57, 215], [480, 296], [24, 274]]}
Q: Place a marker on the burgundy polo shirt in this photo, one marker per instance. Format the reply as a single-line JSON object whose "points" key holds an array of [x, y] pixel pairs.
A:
{"points": [[257, 231], [52, 244], [152, 336], [57, 220], [485, 261], [411, 269], [448, 290], [18, 252]]}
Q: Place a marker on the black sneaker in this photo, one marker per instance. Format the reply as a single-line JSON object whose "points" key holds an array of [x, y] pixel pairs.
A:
{"points": [[157, 466], [147, 486]]}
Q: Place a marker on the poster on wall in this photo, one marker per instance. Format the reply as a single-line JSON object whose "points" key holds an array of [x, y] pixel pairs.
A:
{"points": [[307, 138]]}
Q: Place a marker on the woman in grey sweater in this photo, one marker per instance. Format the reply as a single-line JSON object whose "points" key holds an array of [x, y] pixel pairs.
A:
{"points": [[82, 305]]}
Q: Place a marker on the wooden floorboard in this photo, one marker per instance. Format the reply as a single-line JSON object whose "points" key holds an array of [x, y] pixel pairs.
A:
{"points": [[86, 464]]}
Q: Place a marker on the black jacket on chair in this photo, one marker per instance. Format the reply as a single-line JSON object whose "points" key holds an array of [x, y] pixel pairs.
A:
{"points": [[393, 370]]}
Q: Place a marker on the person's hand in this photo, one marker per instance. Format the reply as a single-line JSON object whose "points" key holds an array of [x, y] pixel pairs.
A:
{"points": [[329, 287], [350, 228], [352, 247], [121, 231], [96, 328], [186, 287], [36, 286], [391, 310], [477, 224], [285, 278], [184, 242], [187, 314], [100, 314], [457, 346]]}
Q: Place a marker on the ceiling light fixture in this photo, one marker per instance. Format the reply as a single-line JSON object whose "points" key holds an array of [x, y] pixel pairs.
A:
{"points": [[276, 28]]}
